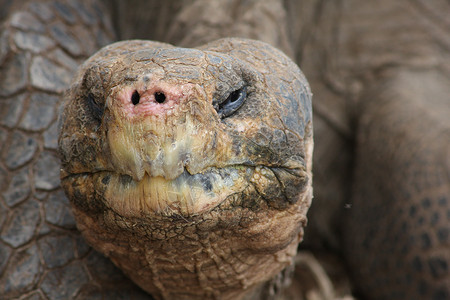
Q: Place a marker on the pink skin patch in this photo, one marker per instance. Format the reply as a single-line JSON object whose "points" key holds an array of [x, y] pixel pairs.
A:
{"points": [[156, 99]]}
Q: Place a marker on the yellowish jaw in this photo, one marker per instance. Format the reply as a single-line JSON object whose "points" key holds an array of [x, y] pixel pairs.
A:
{"points": [[187, 195]]}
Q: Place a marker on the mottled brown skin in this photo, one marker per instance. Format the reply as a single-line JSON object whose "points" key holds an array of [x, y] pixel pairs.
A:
{"points": [[379, 73], [242, 178], [385, 96]]}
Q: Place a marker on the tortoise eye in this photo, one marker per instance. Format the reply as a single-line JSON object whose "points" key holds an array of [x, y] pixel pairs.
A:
{"points": [[95, 107], [233, 102]]}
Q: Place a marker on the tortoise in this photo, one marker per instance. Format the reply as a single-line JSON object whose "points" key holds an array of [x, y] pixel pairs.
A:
{"points": [[381, 132]]}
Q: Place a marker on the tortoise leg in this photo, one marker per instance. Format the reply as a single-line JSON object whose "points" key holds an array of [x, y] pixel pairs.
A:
{"points": [[42, 256], [397, 231]]}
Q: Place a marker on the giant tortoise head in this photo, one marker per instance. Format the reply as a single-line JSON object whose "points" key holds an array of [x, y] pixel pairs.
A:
{"points": [[190, 168]]}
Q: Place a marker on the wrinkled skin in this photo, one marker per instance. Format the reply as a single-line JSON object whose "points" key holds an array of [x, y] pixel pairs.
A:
{"points": [[380, 76], [192, 193]]}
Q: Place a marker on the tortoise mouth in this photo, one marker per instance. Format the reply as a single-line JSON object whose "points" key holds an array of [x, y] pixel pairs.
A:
{"points": [[187, 195]]}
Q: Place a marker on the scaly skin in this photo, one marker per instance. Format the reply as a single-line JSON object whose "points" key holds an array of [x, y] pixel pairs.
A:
{"points": [[42, 255], [381, 103]]}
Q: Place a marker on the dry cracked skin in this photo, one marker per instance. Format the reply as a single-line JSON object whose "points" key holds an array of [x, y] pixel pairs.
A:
{"points": [[190, 168]]}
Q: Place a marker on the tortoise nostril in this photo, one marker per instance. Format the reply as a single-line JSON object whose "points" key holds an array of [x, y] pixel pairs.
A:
{"points": [[135, 98], [160, 97]]}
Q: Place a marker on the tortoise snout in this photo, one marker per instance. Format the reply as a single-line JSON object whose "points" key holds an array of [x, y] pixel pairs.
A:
{"points": [[158, 98]]}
